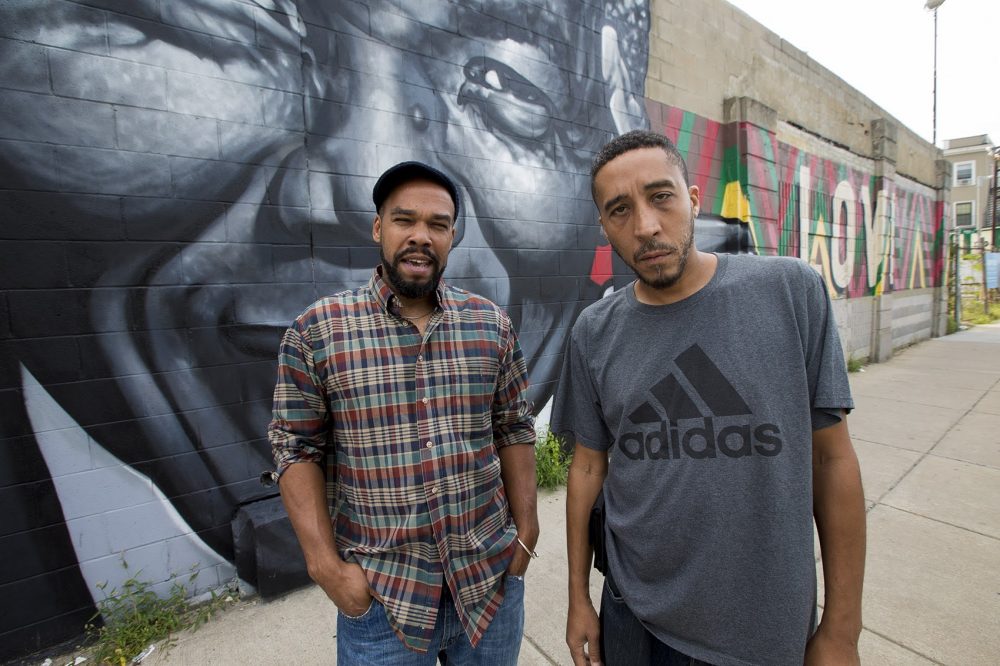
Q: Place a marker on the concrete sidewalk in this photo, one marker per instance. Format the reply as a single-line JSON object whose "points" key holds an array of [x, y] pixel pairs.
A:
{"points": [[926, 429]]}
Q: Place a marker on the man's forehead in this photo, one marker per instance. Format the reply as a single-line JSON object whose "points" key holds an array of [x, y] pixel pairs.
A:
{"points": [[405, 196], [643, 164]]}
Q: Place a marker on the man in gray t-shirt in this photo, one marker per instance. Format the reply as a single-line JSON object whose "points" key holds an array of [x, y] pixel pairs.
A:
{"points": [[709, 400]]}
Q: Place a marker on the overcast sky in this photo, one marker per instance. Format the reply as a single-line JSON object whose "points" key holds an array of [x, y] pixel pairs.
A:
{"points": [[885, 49]]}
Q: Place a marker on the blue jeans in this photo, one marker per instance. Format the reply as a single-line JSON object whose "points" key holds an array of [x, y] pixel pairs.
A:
{"points": [[369, 640], [626, 642]]}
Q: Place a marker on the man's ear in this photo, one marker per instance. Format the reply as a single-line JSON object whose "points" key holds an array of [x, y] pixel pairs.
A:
{"points": [[627, 111], [377, 229], [695, 194]]}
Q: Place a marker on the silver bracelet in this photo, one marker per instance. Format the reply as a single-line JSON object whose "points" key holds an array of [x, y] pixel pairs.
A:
{"points": [[526, 549]]}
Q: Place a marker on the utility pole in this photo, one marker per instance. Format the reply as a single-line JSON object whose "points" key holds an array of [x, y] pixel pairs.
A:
{"points": [[986, 286], [958, 282], [995, 154]]}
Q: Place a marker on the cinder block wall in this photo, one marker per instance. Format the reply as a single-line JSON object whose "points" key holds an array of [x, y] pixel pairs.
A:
{"points": [[179, 179]]}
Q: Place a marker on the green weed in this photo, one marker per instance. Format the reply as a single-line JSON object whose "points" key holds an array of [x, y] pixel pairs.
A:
{"points": [[551, 461], [980, 314], [855, 364], [131, 617]]}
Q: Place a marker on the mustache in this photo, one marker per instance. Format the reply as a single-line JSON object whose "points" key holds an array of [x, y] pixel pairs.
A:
{"points": [[419, 252], [654, 246]]}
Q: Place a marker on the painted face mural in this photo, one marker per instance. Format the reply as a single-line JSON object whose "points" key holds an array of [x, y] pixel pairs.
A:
{"points": [[201, 174], [181, 179]]}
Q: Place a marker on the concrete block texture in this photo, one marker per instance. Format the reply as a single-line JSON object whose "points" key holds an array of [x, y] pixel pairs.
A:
{"points": [[50, 119], [746, 109], [823, 104], [23, 66], [118, 81]]}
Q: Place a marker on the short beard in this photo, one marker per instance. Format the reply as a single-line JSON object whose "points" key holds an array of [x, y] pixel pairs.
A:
{"points": [[663, 281], [407, 288]]}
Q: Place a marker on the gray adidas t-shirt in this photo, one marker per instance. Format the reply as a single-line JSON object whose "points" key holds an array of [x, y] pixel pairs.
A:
{"points": [[706, 408]]}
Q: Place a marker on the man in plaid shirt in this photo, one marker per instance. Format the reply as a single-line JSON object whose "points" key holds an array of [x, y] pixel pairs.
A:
{"points": [[404, 444]]}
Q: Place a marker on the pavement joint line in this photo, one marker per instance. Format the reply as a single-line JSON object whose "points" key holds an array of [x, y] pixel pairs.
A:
{"points": [[966, 462], [903, 402], [900, 645], [540, 650], [855, 438], [935, 444], [992, 537], [953, 425]]}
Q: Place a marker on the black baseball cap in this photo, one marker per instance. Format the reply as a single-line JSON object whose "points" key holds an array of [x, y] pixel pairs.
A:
{"points": [[405, 172]]}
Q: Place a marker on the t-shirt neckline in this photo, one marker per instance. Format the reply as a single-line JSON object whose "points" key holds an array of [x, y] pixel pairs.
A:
{"points": [[693, 299]]}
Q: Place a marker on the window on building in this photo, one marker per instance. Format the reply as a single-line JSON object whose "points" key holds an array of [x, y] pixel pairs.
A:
{"points": [[964, 214], [965, 173]]}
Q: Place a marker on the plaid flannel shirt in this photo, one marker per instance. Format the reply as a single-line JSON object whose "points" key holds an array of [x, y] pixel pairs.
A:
{"points": [[407, 428]]}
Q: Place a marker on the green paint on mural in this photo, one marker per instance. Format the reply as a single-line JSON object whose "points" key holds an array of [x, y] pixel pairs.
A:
{"points": [[730, 173], [791, 221], [684, 134]]}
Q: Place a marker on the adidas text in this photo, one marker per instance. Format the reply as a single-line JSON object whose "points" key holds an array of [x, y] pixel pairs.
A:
{"points": [[700, 442]]}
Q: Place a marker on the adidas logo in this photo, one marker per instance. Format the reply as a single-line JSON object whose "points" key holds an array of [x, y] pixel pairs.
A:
{"points": [[702, 392]]}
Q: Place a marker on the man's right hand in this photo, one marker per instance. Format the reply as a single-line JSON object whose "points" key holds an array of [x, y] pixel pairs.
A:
{"points": [[347, 587], [303, 492], [583, 634]]}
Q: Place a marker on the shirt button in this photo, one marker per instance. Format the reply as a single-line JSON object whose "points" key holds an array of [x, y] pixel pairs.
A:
{"points": [[424, 400], [420, 358], [433, 490], [429, 444]]}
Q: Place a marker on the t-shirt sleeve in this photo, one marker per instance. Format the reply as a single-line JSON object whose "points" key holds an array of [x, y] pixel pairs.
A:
{"points": [[576, 410], [828, 383]]}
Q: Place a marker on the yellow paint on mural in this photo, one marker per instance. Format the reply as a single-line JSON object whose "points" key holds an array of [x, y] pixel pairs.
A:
{"points": [[884, 266], [736, 205], [918, 260]]}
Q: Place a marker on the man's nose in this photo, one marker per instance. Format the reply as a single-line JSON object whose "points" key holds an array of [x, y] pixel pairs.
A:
{"points": [[647, 223], [420, 234]]}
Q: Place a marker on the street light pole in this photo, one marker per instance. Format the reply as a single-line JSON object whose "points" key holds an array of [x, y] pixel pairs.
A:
{"points": [[933, 5]]}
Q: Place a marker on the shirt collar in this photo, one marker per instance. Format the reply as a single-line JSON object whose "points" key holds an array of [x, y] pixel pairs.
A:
{"points": [[388, 301]]}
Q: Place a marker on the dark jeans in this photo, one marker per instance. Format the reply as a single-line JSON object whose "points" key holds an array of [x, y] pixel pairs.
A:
{"points": [[626, 642]]}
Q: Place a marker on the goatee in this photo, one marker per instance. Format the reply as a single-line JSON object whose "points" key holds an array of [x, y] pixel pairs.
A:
{"points": [[662, 280], [410, 288]]}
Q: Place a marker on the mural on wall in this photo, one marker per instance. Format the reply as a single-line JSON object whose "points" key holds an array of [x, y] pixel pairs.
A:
{"points": [[179, 180], [866, 236]]}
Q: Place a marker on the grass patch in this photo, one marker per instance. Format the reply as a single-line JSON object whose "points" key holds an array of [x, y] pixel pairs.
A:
{"points": [[855, 364], [132, 617], [974, 311], [551, 461]]}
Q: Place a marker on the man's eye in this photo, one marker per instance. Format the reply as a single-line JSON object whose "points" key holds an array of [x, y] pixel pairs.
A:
{"points": [[661, 196], [506, 100]]}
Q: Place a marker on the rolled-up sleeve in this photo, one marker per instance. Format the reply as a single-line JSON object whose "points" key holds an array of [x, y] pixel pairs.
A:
{"points": [[513, 420], [299, 426]]}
